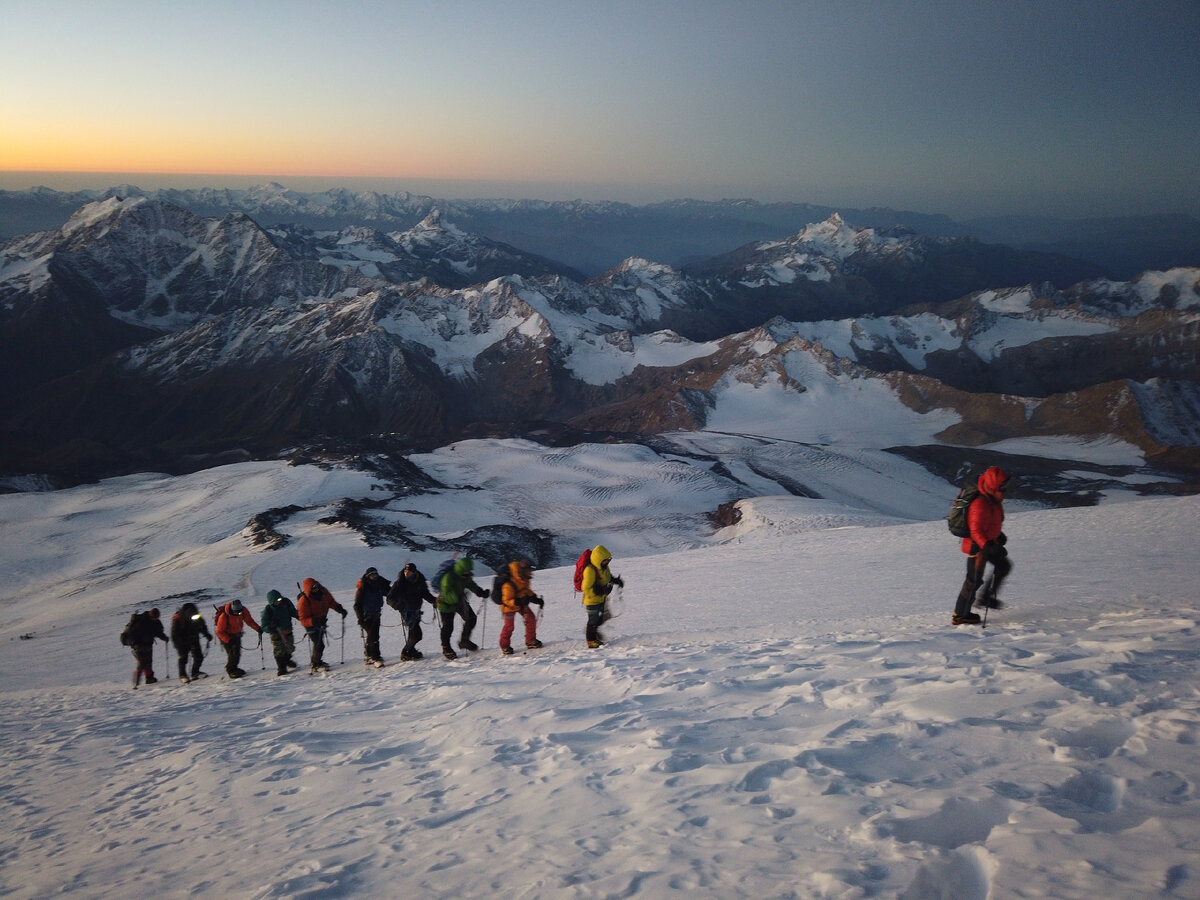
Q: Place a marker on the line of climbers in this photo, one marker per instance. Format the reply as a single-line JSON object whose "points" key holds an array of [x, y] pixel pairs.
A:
{"points": [[976, 516], [454, 580]]}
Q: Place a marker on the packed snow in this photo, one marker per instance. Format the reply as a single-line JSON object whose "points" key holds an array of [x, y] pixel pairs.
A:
{"points": [[783, 709]]}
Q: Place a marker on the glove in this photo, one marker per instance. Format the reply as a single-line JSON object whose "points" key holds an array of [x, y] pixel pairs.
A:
{"points": [[486, 593], [539, 601], [1002, 539], [343, 614], [619, 581]]}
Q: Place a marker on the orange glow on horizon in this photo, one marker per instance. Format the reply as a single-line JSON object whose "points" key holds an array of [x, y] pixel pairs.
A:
{"points": [[245, 156]]}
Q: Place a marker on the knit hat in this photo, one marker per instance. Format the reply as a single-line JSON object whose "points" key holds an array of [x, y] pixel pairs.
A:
{"points": [[274, 596]]}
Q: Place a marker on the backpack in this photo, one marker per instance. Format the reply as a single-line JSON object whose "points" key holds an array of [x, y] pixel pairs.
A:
{"points": [[957, 520], [393, 596], [135, 629], [443, 570], [581, 564], [127, 633], [503, 577]]}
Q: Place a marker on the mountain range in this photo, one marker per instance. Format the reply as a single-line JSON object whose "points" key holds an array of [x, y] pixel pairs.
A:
{"points": [[594, 237], [140, 334]]}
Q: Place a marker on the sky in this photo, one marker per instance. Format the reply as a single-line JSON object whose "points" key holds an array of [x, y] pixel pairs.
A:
{"points": [[959, 107]]}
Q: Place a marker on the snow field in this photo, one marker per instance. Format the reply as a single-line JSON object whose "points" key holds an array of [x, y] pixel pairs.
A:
{"points": [[783, 710]]}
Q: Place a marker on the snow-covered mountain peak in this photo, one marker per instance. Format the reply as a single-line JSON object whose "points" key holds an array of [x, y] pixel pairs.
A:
{"points": [[817, 252], [644, 268], [1177, 289], [435, 226], [92, 214]]}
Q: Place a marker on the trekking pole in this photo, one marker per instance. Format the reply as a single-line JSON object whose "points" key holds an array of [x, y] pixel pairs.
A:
{"points": [[483, 625], [987, 605], [262, 654], [343, 660]]}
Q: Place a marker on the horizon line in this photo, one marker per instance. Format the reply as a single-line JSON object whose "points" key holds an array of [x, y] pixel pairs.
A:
{"points": [[555, 192]]}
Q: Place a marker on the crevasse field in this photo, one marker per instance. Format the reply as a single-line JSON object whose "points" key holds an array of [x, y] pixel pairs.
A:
{"points": [[783, 710]]}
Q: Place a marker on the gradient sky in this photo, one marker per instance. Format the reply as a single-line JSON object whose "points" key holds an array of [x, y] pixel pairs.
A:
{"points": [[965, 107]]}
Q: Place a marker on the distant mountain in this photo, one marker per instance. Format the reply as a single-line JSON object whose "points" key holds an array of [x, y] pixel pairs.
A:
{"points": [[140, 335], [433, 249], [593, 237], [832, 269], [1122, 247]]}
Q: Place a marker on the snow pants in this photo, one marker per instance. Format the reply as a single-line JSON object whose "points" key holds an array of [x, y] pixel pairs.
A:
{"points": [[595, 618], [469, 619], [144, 655], [370, 631], [976, 564], [233, 656], [510, 623], [316, 637], [412, 626], [282, 645], [190, 651]]}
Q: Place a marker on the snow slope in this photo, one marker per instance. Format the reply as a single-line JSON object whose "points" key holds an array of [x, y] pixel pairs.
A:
{"points": [[783, 710]]}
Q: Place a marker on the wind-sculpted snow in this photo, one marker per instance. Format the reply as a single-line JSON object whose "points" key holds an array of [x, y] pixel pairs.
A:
{"points": [[774, 744], [788, 714]]}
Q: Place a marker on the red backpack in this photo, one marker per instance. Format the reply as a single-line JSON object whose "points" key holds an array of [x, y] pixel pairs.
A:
{"points": [[585, 560]]}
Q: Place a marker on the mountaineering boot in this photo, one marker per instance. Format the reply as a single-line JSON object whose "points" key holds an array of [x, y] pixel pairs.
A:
{"points": [[594, 644], [150, 679], [507, 651], [183, 679], [468, 644], [291, 663], [448, 653], [407, 654], [990, 601], [533, 645], [967, 618]]}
